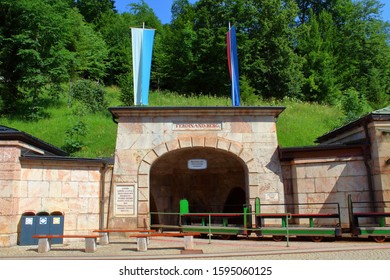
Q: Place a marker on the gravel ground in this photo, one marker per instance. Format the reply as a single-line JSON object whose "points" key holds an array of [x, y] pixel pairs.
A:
{"points": [[242, 249]]}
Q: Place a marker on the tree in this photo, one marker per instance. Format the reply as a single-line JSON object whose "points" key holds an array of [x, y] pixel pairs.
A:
{"points": [[267, 36], [44, 43], [265, 39], [92, 10], [143, 14], [90, 51], [363, 50], [316, 46], [32, 49], [176, 57], [345, 45], [117, 35]]}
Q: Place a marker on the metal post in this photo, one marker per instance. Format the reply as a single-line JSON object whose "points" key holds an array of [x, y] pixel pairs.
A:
{"points": [[288, 216], [209, 229]]}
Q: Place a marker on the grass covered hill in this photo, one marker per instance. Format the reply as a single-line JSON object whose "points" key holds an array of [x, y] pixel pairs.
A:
{"points": [[94, 134]]}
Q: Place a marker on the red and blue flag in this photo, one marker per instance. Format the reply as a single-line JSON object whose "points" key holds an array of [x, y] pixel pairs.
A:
{"points": [[233, 65]]}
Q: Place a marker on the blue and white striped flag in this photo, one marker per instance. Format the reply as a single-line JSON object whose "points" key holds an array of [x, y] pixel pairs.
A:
{"points": [[142, 46]]}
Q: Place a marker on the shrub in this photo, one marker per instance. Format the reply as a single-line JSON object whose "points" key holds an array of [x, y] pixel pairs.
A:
{"points": [[354, 104], [74, 138], [90, 94], [248, 95], [125, 83]]}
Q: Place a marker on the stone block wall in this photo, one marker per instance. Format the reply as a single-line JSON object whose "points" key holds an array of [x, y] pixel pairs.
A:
{"points": [[30, 184], [9, 186], [70, 188], [327, 180], [380, 157]]}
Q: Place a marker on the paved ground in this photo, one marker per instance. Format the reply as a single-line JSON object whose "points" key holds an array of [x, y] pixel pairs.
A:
{"points": [[252, 248]]}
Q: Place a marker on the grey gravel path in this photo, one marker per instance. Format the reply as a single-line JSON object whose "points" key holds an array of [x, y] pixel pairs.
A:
{"points": [[252, 248]]}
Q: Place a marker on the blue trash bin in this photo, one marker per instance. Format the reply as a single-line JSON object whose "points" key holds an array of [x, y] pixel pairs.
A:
{"points": [[56, 226], [27, 229], [42, 223]]}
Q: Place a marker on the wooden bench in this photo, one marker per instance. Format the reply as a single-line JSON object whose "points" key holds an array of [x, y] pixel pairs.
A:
{"points": [[142, 244], [44, 242], [103, 240]]}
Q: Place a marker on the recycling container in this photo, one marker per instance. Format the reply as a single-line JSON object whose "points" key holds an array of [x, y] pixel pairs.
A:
{"points": [[27, 229], [42, 223], [56, 222]]}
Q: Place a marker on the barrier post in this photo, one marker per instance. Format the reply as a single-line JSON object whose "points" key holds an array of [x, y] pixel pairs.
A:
{"points": [[288, 217], [210, 229]]}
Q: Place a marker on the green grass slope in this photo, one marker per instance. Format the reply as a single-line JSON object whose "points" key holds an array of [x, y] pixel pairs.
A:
{"points": [[299, 125]]}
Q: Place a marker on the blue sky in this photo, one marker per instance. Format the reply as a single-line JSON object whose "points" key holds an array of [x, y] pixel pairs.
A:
{"points": [[162, 8]]}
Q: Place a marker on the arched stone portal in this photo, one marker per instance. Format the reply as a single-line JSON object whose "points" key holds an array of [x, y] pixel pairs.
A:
{"points": [[207, 190], [154, 145]]}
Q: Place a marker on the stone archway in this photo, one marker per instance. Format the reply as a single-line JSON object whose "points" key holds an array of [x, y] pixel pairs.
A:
{"points": [[146, 134], [169, 179]]}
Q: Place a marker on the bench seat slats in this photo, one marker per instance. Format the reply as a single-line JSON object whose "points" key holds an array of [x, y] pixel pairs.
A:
{"points": [[123, 230], [65, 236], [164, 234]]}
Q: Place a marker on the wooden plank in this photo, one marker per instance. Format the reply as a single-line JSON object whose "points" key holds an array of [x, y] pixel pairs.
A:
{"points": [[123, 230], [65, 236], [164, 234]]}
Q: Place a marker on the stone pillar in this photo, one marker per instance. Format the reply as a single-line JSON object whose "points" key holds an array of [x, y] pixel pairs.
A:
{"points": [[90, 245], [103, 240], [188, 242], [142, 244], [43, 245]]}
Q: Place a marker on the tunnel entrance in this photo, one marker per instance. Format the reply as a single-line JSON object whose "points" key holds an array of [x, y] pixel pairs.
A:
{"points": [[219, 185]]}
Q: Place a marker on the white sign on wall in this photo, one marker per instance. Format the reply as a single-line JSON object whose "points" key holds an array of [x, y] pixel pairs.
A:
{"points": [[197, 126], [197, 164], [125, 200]]}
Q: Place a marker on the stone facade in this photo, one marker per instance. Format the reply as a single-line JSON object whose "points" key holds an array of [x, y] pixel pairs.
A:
{"points": [[10, 172], [374, 131], [49, 184], [380, 139], [152, 172], [146, 135], [326, 182]]}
